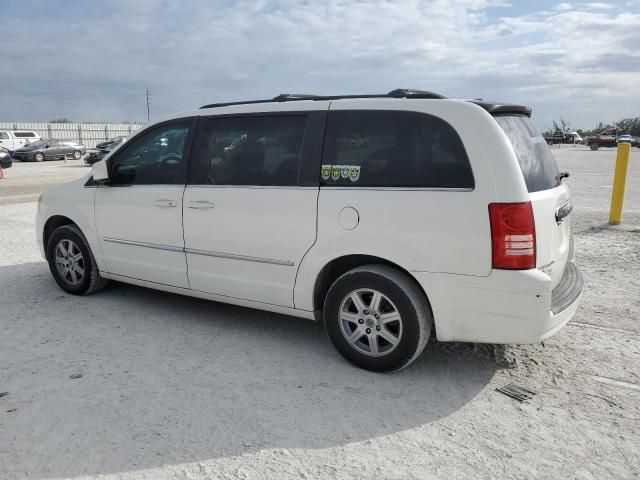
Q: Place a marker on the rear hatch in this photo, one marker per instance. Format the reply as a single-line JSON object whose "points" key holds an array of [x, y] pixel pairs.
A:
{"points": [[550, 198]]}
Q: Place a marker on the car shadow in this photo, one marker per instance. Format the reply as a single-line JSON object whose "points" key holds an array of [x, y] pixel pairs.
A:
{"points": [[167, 379]]}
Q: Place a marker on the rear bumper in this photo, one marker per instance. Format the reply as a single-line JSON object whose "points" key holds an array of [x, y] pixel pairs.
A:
{"points": [[505, 307]]}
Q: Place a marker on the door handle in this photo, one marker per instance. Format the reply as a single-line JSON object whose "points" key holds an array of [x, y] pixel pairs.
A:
{"points": [[200, 204], [165, 203]]}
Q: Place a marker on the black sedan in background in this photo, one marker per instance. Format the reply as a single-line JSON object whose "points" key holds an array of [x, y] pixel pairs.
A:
{"points": [[50, 150], [5, 158], [109, 144], [101, 151]]}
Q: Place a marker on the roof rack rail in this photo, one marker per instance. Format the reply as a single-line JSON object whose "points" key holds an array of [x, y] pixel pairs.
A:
{"points": [[228, 104], [291, 97], [287, 97], [412, 93]]}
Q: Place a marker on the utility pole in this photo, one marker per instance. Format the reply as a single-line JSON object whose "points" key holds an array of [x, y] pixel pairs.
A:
{"points": [[148, 116]]}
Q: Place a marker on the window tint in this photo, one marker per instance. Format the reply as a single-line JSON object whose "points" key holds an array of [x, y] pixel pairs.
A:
{"points": [[536, 161], [4, 136], [24, 134], [393, 149], [260, 150], [157, 157]]}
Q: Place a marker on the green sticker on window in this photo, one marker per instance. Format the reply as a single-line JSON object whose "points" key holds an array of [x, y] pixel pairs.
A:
{"points": [[335, 172], [325, 172], [354, 173]]}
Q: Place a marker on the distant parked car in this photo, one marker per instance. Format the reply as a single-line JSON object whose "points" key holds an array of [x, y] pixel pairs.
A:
{"points": [[5, 158], [50, 150], [111, 142], [557, 137], [12, 140], [101, 152], [575, 137], [625, 139], [96, 156]]}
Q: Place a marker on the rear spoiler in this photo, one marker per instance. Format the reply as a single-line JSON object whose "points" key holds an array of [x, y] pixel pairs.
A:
{"points": [[496, 108]]}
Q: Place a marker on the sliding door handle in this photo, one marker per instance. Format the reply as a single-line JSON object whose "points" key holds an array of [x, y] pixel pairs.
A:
{"points": [[165, 203], [200, 205]]}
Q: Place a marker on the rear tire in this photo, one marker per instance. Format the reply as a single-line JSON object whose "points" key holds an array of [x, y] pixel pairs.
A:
{"points": [[38, 157], [77, 155], [72, 263], [377, 318]]}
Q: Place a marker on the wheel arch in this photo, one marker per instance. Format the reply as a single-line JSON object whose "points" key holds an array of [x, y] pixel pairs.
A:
{"points": [[53, 222], [340, 265]]}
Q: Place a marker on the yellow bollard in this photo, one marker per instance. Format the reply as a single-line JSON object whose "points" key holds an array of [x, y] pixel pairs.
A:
{"points": [[619, 181]]}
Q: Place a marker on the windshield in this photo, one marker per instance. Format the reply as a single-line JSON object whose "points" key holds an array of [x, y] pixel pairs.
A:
{"points": [[37, 143], [536, 161]]}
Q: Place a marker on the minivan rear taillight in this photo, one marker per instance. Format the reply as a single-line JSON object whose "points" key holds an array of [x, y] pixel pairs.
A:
{"points": [[513, 236]]}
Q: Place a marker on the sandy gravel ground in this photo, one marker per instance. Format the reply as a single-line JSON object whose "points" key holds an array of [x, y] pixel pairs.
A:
{"points": [[175, 387], [26, 180]]}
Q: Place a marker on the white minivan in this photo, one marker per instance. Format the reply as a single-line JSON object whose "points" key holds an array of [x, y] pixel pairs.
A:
{"points": [[391, 218], [12, 140]]}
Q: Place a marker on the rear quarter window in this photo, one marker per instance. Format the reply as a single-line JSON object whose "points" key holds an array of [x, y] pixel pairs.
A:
{"points": [[539, 168], [369, 148], [24, 134]]}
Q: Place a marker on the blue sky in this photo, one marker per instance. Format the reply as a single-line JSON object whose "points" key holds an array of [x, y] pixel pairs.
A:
{"points": [[94, 60]]}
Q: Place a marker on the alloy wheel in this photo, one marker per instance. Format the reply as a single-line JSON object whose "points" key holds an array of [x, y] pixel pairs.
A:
{"points": [[69, 262], [370, 322]]}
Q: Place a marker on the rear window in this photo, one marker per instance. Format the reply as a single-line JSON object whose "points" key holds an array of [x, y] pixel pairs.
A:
{"points": [[536, 161], [24, 134], [368, 148]]}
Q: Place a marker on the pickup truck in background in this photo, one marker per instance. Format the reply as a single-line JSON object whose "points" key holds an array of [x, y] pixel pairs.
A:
{"points": [[606, 138], [12, 140]]}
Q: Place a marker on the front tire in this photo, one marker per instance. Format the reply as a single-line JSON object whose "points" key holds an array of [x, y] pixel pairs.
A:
{"points": [[377, 318], [71, 262], [594, 146], [77, 155], [38, 157]]}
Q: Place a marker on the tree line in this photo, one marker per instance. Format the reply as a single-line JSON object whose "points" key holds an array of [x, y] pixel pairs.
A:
{"points": [[628, 126]]}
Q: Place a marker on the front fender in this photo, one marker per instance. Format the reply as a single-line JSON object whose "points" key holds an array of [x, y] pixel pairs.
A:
{"points": [[74, 201]]}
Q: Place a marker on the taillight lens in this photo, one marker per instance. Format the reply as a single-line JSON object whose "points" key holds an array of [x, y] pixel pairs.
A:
{"points": [[513, 236]]}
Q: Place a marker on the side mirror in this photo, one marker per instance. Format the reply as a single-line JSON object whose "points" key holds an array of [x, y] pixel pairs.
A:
{"points": [[100, 172]]}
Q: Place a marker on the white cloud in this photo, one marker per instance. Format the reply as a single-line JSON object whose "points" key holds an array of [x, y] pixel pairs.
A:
{"points": [[600, 5], [562, 7]]}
